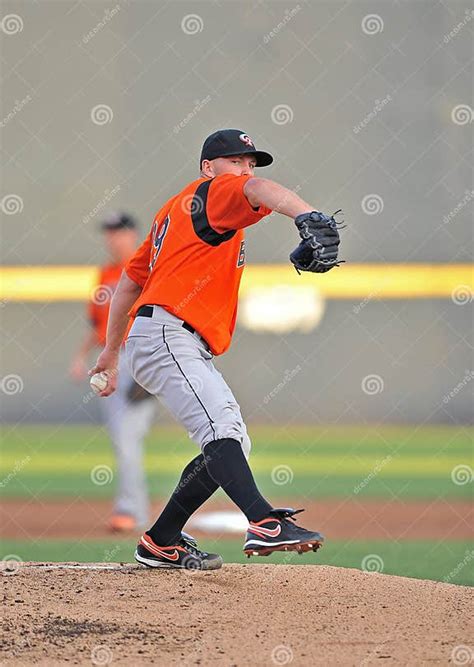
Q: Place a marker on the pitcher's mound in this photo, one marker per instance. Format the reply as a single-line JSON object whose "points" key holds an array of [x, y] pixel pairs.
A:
{"points": [[255, 614]]}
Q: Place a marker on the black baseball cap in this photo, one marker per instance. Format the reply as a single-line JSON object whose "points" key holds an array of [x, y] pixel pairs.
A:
{"points": [[118, 220], [225, 143]]}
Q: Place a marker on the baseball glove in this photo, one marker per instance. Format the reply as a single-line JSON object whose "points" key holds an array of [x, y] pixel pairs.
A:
{"points": [[318, 249]]}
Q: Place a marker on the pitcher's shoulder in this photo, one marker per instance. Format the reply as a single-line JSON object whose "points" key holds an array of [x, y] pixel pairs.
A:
{"points": [[193, 185]]}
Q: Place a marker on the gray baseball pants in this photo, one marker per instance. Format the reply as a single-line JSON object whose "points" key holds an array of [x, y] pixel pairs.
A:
{"points": [[127, 424], [176, 366]]}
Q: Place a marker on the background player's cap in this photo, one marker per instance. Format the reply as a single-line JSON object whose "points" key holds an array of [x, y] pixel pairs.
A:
{"points": [[118, 220], [225, 143]]}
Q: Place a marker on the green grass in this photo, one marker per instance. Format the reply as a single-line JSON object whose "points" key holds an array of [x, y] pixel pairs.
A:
{"points": [[440, 561], [386, 461], [324, 461]]}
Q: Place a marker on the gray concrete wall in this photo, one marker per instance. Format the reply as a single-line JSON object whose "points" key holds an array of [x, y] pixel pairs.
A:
{"points": [[352, 105], [417, 352]]}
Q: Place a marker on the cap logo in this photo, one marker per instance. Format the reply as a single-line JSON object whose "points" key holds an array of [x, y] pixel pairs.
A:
{"points": [[246, 139]]}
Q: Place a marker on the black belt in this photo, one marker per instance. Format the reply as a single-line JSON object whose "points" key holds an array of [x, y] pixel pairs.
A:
{"points": [[147, 311]]}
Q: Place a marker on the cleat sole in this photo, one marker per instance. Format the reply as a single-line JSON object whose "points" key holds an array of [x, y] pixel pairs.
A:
{"points": [[300, 547], [203, 566]]}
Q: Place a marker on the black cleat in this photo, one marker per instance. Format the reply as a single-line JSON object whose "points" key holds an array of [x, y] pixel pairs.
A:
{"points": [[277, 533], [185, 555]]}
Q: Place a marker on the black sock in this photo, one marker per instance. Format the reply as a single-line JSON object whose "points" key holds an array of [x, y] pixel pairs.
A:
{"points": [[194, 488], [227, 465]]}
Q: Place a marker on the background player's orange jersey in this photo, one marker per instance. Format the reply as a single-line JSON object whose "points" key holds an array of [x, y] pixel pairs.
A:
{"points": [[99, 304], [192, 260]]}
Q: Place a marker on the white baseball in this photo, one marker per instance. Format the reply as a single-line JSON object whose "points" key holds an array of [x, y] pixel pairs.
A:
{"points": [[99, 382]]}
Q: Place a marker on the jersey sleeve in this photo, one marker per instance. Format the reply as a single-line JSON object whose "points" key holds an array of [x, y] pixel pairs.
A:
{"points": [[137, 267], [228, 208]]}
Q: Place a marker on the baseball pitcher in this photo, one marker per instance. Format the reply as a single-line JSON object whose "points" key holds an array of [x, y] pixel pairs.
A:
{"points": [[129, 413], [181, 290]]}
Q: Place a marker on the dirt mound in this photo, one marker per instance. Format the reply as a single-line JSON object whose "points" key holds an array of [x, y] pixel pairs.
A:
{"points": [[243, 614]]}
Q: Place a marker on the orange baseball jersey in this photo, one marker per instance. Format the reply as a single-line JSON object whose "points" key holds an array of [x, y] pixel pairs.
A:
{"points": [[99, 304], [192, 260]]}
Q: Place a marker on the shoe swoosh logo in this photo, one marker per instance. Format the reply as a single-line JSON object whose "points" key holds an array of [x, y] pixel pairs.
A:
{"points": [[174, 555], [268, 532], [170, 556]]}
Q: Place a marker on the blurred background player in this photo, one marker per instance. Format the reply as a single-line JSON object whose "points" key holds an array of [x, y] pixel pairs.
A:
{"points": [[128, 414]]}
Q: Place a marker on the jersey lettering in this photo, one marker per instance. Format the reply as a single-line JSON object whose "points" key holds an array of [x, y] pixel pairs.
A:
{"points": [[158, 236], [241, 259]]}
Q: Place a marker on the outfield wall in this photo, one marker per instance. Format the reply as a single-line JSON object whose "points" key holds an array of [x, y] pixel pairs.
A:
{"points": [[365, 106], [394, 361]]}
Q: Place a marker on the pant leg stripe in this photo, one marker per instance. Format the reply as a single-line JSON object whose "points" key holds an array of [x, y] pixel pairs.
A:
{"points": [[189, 383]]}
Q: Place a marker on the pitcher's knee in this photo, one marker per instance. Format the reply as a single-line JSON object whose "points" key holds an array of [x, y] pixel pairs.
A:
{"points": [[246, 445], [219, 431]]}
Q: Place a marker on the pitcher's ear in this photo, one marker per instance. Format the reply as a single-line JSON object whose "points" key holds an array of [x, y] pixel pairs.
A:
{"points": [[207, 168]]}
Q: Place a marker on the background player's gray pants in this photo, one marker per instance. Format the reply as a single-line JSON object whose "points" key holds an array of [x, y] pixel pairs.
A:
{"points": [[127, 424], [176, 365]]}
